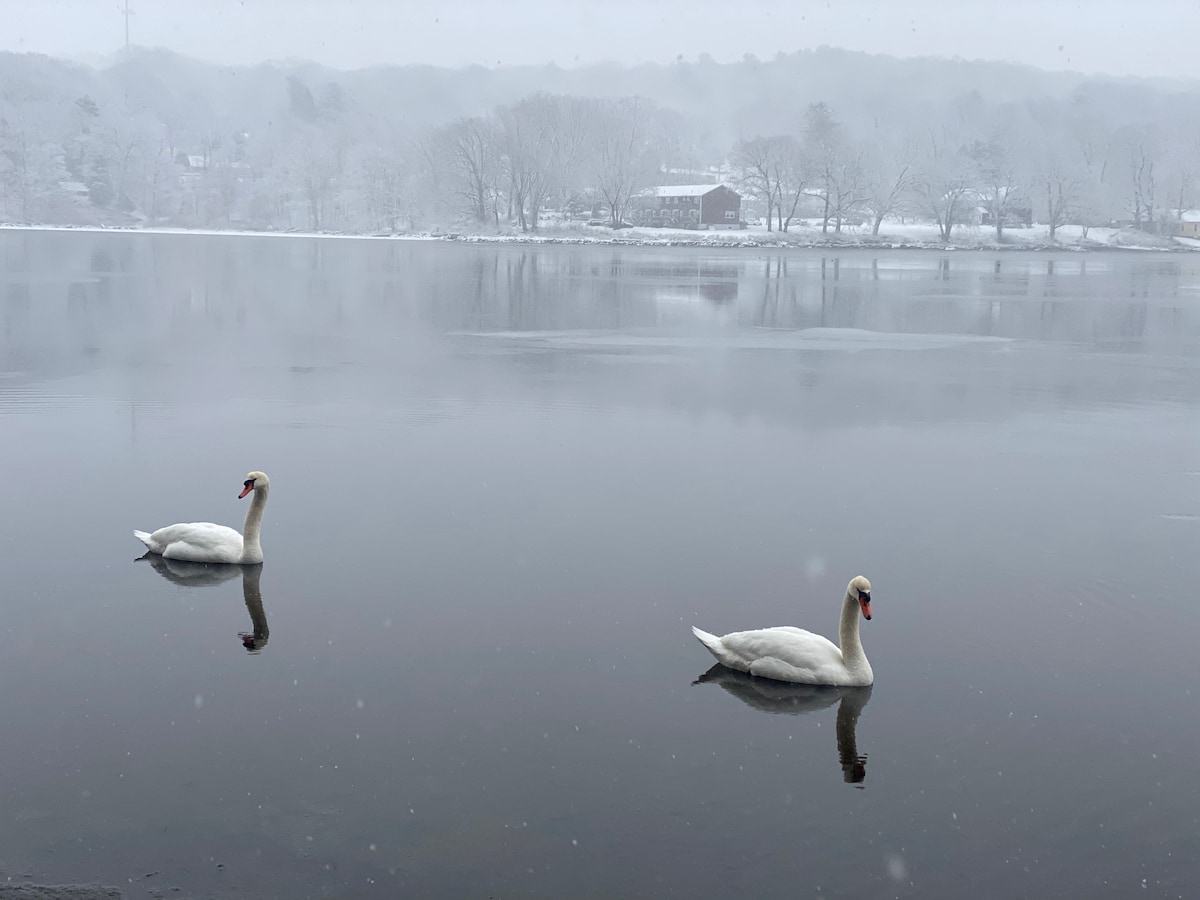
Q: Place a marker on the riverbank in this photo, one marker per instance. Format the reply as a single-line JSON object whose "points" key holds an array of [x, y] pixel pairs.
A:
{"points": [[894, 236]]}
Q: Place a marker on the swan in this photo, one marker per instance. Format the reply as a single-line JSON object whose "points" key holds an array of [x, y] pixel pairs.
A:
{"points": [[793, 654], [208, 543]]}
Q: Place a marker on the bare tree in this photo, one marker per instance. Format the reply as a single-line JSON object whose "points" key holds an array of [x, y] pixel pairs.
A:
{"points": [[1054, 175], [792, 177], [1061, 193], [15, 175], [945, 182], [1181, 170], [464, 160], [543, 138], [1137, 152], [997, 174], [836, 166], [386, 188], [315, 167], [755, 162], [625, 159], [888, 179], [1091, 146]]}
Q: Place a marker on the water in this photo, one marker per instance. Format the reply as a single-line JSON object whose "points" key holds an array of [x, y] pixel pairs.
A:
{"points": [[506, 482]]}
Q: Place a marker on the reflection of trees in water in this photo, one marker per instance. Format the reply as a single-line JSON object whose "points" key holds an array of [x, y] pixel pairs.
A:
{"points": [[76, 301], [1020, 298]]}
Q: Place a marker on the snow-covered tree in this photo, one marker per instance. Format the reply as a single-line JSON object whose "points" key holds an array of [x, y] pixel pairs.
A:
{"points": [[945, 181]]}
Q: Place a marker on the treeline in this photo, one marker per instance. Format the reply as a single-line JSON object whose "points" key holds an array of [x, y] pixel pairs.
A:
{"points": [[156, 139]]}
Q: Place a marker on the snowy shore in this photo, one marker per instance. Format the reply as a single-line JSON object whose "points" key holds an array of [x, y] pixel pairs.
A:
{"points": [[893, 236]]}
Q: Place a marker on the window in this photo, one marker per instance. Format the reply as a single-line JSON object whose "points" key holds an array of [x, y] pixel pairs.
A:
{"points": [[731, 213]]}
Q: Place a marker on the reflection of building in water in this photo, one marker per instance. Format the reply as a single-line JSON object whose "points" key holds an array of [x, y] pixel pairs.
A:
{"points": [[712, 282]]}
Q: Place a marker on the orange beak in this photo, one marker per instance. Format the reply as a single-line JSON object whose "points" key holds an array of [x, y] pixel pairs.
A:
{"points": [[248, 488], [865, 603]]}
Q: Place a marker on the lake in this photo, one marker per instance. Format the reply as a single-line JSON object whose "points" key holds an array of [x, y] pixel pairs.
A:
{"points": [[508, 479]]}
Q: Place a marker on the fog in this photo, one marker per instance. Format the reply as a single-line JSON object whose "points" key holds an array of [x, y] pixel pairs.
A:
{"points": [[1109, 37], [562, 329], [349, 134]]}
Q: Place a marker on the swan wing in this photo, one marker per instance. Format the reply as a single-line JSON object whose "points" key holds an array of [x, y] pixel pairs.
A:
{"points": [[197, 542], [785, 654]]}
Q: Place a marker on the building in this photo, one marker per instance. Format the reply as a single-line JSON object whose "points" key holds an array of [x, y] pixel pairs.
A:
{"points": [[1188, 224], [688, 206]]}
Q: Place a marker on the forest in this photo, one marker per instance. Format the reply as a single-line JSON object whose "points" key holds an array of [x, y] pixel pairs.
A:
{"points": [[828, 137]]}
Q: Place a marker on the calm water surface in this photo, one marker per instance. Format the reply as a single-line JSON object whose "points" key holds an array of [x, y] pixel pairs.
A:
{"points": [[506, 482]]}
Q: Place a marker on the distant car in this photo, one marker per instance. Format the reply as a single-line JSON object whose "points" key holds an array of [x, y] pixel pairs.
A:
{"points": [[599, 222]]}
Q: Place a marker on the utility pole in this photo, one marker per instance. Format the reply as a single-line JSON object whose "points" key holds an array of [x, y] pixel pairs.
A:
{"points": [[127, 13]]}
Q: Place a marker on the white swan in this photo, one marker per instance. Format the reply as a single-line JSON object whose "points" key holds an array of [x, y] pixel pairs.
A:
{"points": [[209, 543], [793, 654]]}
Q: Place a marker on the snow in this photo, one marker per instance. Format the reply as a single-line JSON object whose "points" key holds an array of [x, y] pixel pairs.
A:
{"points": [[851, 340], [682, 190], [892, 236]]}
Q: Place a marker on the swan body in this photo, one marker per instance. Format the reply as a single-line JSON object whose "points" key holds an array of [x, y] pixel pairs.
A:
{"points": [[793, 654], [204, 542]]}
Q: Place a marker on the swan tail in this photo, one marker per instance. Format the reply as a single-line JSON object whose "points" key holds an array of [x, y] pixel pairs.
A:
{"points": [[710, 641], [143, 536]]}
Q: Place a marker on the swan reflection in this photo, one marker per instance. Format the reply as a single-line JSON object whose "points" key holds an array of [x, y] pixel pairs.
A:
{"points": [[789, 699], [193, 574]]}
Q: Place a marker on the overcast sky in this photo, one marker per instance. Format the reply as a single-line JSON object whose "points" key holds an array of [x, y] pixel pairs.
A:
{"points": [[1152, 37]]}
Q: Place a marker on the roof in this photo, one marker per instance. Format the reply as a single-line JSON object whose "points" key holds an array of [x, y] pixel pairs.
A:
{"points": [[685, 190], [1190, 215]]}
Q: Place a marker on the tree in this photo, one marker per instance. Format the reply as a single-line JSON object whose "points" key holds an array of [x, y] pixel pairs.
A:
{"points": [[836, 166], [997, 179], [1180, 170], [386, 188], [625, 159], [774, 169], [888, 171], [755, 162], [1056, 177], [463, 159], [1091, 148], [543, 138], [15, 177], [1138, 154], [314, 167], [792, 174], [945, 182]]}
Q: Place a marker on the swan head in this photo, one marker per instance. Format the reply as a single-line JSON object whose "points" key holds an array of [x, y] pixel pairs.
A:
{"points": [[254, 481], [860, 589]]}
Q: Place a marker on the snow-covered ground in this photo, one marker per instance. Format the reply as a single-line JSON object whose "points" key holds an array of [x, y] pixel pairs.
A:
{"points": [[892, 235]]}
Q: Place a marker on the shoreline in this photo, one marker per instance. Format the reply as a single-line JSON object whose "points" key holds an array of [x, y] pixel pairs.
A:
{"points": [[736, 240]]}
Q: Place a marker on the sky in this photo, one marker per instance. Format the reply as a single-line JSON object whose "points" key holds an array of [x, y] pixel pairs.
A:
{"points": [[1117, 37]]}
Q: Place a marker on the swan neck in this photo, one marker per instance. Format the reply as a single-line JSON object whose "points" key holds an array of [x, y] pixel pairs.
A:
{"points": [[852, 649], [252, 549]]}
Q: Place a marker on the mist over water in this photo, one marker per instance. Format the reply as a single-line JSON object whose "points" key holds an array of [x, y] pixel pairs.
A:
{"points": [[506, 481]]}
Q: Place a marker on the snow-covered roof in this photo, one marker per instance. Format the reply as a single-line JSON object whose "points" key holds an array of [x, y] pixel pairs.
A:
{"points": [[1190, 215], [73, 187], [684, 190]]}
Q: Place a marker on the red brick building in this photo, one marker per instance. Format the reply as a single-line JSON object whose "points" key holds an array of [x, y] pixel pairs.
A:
{"points": [[688, 206]]}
